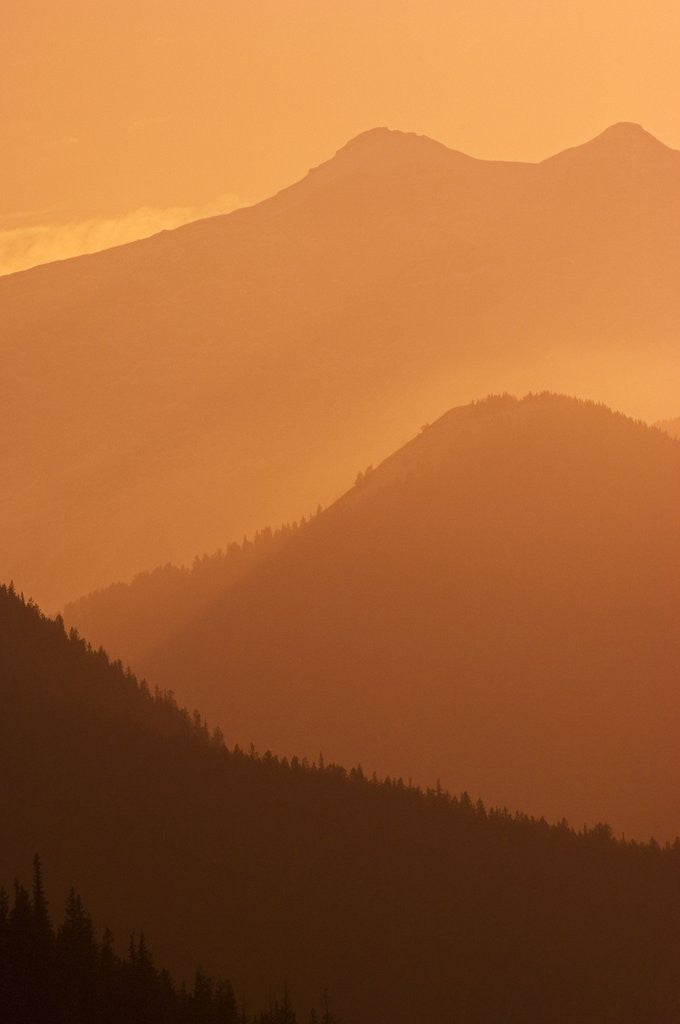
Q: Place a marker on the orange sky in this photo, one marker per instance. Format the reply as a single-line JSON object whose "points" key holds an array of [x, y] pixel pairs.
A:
{"points": [[142, 113]]}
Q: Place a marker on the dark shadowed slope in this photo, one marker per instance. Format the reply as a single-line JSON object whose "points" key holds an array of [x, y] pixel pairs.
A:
{"points": [[408, 907], [167, 396], [496, 605]]}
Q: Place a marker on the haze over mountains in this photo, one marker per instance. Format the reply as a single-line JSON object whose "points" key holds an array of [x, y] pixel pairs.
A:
{"points": [[496, 606], [407, 906], [167, 396]]}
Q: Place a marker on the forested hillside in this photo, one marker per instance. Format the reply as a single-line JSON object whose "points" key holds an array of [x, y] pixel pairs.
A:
{"points": [[404, 905], [66, 974], [133, 618], [671, 427], [496, 606]]}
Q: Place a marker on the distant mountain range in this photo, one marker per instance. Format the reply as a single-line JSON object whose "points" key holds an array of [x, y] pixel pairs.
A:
{"points": [[166, 396], [495, 605], [406, 906]]}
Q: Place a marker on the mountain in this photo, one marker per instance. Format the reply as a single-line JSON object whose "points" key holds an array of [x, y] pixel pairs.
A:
{"points": [[407, 906], [671, 427], [167, 396], [494, 606], [134, 618]]}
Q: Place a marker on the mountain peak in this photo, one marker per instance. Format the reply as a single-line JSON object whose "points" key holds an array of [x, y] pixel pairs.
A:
{"points": [[394, 137], [624, 129], [379, 134], [618, 146], [382, 147], [629, 133]]}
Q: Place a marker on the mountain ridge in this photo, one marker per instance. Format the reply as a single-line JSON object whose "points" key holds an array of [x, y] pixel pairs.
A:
{"points": [[259, 358], [626, 135], [513, 562]]}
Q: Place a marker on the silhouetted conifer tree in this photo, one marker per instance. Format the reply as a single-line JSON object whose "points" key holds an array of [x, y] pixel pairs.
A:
{"points": [[68, 977]]}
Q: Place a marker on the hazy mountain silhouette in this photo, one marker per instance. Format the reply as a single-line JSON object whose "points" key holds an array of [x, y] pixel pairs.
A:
{"points": [[407, 906], [134, 618], [671, 427], [169, 395], [496, 605]]}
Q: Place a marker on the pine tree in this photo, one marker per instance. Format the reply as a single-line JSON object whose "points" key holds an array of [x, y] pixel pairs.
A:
{"points": [[77, 958]]}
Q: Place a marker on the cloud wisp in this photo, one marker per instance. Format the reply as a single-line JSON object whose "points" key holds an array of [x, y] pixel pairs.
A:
{"points": [[30, 245]]}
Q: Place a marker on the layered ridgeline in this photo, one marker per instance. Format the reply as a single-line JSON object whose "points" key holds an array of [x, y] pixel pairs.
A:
{"points": [[406, 906], [132, 619], [165, 395], [496, 606]]}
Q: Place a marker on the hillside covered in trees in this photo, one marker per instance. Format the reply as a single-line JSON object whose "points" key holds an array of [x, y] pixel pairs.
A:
{"points": [[164, 598], [405, 905], [671, 427], [494, 606], [67, 975]]}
